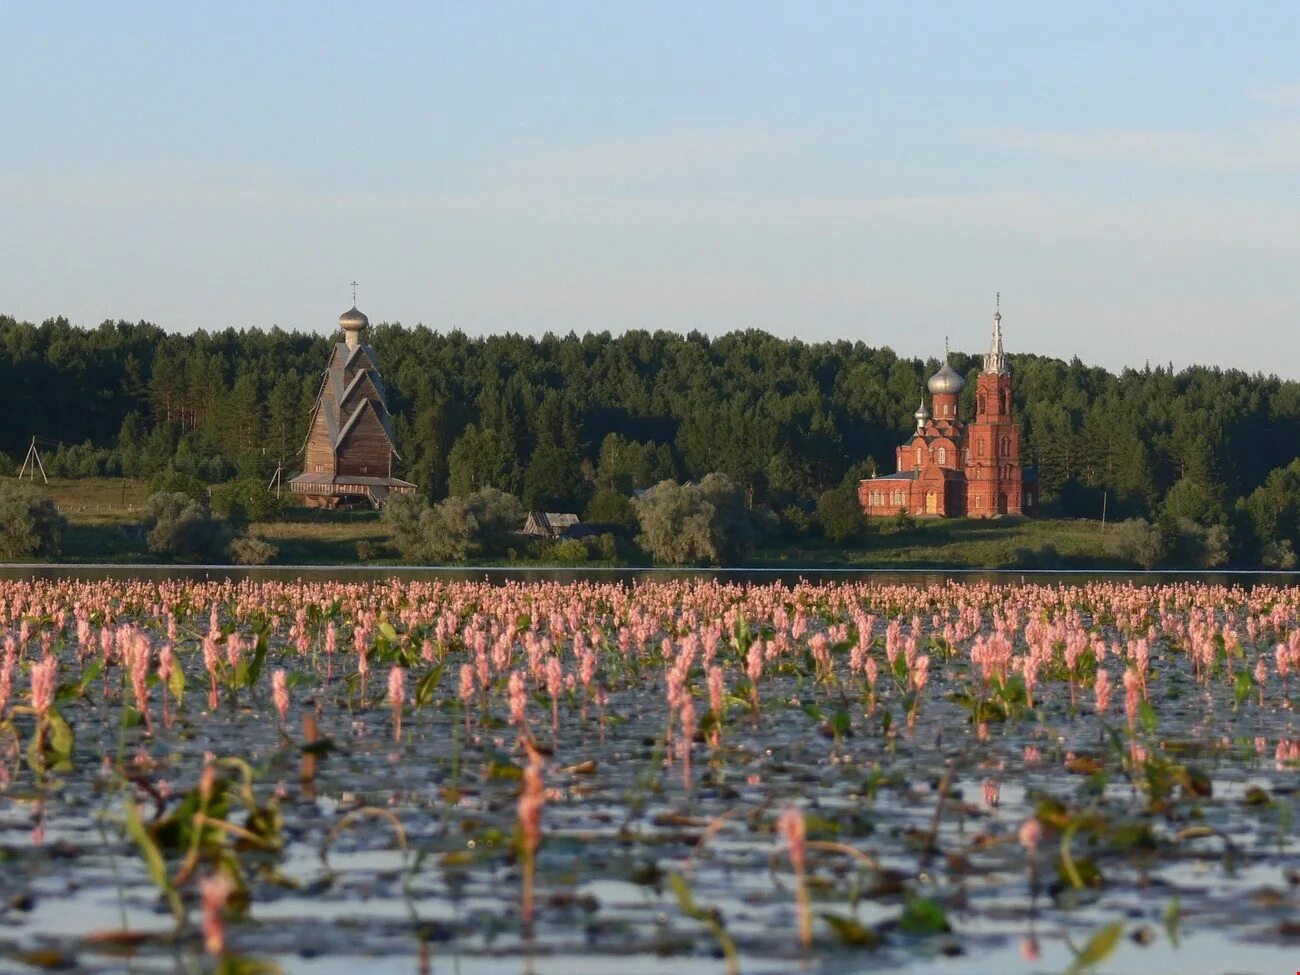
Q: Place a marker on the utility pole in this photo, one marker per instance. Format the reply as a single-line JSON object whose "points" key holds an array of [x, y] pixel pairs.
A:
{"points": [[1104, 496], [34, 459]]}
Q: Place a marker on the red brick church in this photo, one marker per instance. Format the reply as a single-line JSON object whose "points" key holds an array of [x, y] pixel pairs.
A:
{"points": [[949, 468]]}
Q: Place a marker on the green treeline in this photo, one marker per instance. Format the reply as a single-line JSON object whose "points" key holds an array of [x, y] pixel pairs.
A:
{"points": [[554, 420]]}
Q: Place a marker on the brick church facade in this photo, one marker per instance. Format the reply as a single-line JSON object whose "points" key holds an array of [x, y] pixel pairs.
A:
{"points": [[949, 468]]}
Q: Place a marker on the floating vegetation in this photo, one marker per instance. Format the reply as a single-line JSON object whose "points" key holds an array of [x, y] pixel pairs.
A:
{"points": [[685, 776]]}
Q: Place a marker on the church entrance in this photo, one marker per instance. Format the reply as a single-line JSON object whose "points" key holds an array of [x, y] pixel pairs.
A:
{"points": [[931, 503], [1002, 504]]}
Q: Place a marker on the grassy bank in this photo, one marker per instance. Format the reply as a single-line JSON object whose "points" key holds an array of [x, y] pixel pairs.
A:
{"points": [[1027, 543], [104, 515]]}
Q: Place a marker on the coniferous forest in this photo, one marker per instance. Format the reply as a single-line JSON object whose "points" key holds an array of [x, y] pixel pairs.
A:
{"points": [[555, 419]]}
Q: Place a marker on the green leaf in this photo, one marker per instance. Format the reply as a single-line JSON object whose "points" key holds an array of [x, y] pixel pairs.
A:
{"points": [[259, 658], [682, 891], [386, 630], [841, 723], [851, 932], [154, 863], [1098, 949], [1244, 685], [90, 673], [427, 685], [176, 684], [1147, 715], [923, 916], [1172, 915], [59, 736]]}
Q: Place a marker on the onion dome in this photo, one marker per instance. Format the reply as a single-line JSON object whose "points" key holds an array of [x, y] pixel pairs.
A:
{"points": [[353, 323], [921, 414], [353, 320], [946, 380]]}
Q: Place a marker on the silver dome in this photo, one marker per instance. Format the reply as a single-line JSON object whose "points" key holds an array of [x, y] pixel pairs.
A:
{"points": [[946, 380]]}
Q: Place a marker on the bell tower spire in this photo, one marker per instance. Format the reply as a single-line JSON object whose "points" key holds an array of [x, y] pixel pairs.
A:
{"points": [[995, 360]]}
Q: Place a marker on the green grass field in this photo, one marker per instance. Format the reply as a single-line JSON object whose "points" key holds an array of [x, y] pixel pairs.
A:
{"points": [[104, 515], [966, 543]]}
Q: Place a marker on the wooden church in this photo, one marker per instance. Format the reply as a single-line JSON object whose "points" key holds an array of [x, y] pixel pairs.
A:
{"points": [[350, 446]]}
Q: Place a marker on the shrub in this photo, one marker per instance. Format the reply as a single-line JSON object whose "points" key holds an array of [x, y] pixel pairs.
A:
{"points": [[497, 517], [454, 529], [902, 522], [1140, 542], [1278, 555], [795, 522], [30, 522], [245, 499], [1043, 556], [567, 551], [180, 527], [247, 550], [840, 515], [609, 506], [705, 522], [173, 481]]}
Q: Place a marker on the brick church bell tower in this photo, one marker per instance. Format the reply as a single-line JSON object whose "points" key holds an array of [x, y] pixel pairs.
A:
{"points": [[993, 475]]}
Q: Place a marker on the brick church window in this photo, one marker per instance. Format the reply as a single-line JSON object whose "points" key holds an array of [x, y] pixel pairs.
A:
{"points": [[943, 455], [979, 447]]}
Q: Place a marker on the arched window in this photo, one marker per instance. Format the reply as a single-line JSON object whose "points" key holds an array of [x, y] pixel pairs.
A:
{"points": [[979, 448], [1005, 449], [918, 456], [943, 455], [1006, 401]]}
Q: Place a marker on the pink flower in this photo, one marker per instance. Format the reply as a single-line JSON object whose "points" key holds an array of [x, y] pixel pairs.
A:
{"points": [[44, 677], [1103, 689], [518, 701], [1030, 835], [280, 693], [792, 827], [214, 891], [396, 698], [991, 792], [1029, 949], [531, 799], [1131, 697]]}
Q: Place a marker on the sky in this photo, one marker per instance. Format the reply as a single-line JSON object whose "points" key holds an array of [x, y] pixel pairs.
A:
{"points": [[1126, 175]]}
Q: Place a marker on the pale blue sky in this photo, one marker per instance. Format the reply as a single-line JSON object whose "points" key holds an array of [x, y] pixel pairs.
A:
{"points": [[1128, 175]]}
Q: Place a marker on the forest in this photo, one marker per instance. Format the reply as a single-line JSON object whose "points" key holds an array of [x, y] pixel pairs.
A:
{"points": [[558, 419]]}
